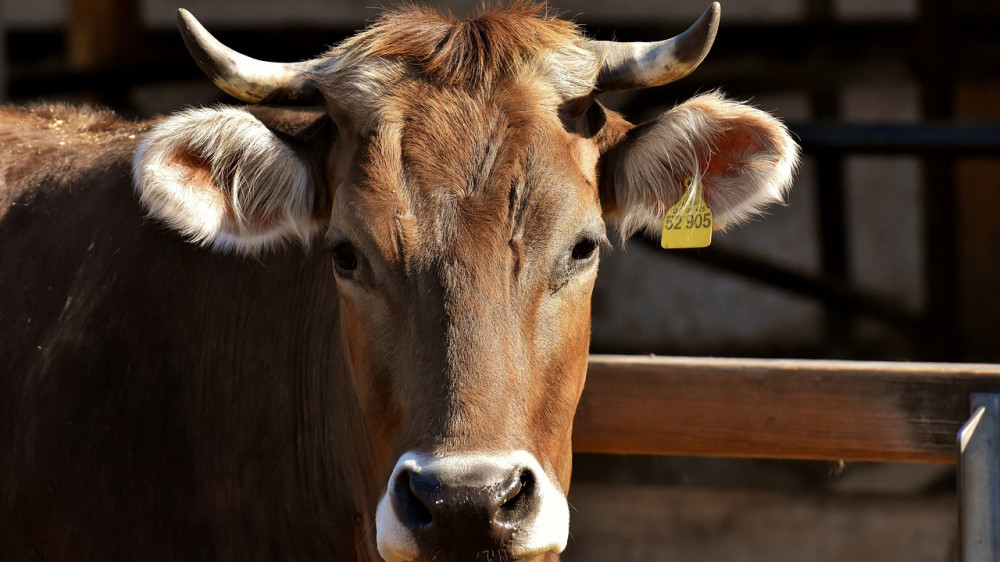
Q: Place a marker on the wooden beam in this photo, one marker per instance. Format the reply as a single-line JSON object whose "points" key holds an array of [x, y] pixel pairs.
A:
{"points": [[789, 409], [103, 32]]}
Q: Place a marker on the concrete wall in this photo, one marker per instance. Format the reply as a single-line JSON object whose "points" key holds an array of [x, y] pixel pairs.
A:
{"points": [[634, 523]]}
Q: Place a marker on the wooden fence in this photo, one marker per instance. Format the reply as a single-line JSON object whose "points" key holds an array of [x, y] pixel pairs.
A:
{"points": [[792, 409], [786, 409]]}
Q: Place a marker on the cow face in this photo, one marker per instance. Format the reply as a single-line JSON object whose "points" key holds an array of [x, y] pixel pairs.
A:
{"points": [[466, 239], [461, 175]]}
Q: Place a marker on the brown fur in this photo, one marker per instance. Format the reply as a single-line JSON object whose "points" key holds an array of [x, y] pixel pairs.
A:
{"points": [[465, 52], [454, 204], [62, 137]]}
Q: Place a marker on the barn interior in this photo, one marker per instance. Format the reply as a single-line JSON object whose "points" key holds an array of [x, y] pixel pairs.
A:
{"points": [[886, 249]]}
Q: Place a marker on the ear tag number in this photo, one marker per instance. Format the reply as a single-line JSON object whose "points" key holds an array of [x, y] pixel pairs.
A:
{"points": [[688, 224]]}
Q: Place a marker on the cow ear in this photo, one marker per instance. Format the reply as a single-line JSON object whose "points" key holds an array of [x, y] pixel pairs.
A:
{"points": [[222, 178], [744, 158]]}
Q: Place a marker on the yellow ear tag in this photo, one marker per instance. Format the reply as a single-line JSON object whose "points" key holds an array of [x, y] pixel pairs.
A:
{"points": [[688, 224]]}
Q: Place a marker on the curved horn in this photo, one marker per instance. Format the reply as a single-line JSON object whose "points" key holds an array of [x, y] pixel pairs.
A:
{"points": [[641, 65], [245, 78]]}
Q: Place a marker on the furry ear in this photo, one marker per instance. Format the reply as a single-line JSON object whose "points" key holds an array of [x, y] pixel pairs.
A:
{"points": [[222, 178], [744, 158]]}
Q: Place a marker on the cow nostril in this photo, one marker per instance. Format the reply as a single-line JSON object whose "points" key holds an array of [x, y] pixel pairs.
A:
{"points": [[409, 502], [519, 499]]}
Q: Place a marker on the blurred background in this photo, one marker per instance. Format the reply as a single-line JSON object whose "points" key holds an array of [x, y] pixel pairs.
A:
{"points": [[888, 247]]}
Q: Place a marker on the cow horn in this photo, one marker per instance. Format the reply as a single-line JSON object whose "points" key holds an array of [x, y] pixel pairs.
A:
{"points": [[641, 65], [245, 78]]}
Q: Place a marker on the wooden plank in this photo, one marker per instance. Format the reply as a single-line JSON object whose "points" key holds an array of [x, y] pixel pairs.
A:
{"points": [[103, 32], [790, 409]]}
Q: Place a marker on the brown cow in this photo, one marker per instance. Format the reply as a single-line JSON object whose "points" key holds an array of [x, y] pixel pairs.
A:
{"points": [[404, 386]]}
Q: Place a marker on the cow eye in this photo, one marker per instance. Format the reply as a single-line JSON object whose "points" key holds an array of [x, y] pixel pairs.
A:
{"points": [[584, 249], [344, 258]]}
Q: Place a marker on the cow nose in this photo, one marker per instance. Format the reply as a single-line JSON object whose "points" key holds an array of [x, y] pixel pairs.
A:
{"points": [[461, 507], [477, 510]]}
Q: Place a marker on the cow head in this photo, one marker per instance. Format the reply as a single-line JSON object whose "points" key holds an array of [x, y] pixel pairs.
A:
{"points": [[462, 176]]}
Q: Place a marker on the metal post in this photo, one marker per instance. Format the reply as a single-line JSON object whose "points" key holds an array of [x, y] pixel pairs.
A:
{"points": [[979, 481]]}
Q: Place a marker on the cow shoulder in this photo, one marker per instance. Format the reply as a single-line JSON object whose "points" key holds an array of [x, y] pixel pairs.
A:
{"points": [[45, 147]]}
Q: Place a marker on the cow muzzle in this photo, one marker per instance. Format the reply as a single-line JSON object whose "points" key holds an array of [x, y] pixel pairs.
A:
{"points": [[464, 507]]}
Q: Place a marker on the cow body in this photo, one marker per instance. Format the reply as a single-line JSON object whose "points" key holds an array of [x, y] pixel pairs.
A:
{"points": [[400, 383], [157, 397]]}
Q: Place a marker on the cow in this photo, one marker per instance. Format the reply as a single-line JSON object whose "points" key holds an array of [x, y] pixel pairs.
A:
{"points": [[350, 320]]}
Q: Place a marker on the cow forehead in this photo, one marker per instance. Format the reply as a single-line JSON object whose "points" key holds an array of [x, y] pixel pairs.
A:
{"points": [[463, 172], [461, 142], [521, 43]]}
